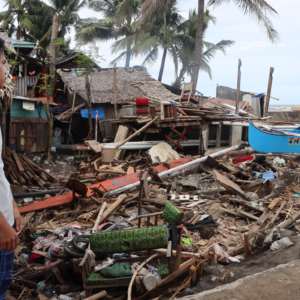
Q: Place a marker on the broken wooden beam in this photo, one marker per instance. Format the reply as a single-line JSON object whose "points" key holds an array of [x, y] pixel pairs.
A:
{"points": [[18, 163], [172, 141]]}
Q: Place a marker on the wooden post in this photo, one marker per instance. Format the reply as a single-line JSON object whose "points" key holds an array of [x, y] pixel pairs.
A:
{"points": [[201, 149], [73, 105], [178, 251], [238, 87], [99, 217], [115, 92], [269, 92], [247, 244]]}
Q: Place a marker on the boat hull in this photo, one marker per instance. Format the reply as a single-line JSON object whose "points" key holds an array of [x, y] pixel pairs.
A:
{"points": [[266, 142]]}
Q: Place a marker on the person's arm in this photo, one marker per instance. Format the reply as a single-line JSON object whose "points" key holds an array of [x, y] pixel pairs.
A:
{"points": [[17, 217], [8, 236]]}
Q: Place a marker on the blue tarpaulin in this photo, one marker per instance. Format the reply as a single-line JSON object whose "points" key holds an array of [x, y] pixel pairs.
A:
{"points": [[85, 113], [258, 96]]}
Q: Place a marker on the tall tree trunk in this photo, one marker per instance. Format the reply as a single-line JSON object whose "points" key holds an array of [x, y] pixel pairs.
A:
{"points": [[19, 33], [50, 85], [127, 64], [198, 43], [162, 66], [50, 127], [88, 92], [63, 29], [53, 47]]}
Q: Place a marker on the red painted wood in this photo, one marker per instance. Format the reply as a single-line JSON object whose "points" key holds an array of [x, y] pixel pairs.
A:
{"points": [[188, 129], [178, 133], [110, 184], [172, 141]]}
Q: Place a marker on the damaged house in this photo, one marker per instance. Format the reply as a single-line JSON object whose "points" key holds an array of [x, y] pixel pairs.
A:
{"points": [[131, 83]]}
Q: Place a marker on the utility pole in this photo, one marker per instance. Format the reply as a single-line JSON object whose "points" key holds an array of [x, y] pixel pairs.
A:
{"points": [[237, 105]]}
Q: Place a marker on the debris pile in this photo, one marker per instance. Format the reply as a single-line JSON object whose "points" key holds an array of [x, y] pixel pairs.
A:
{"points": [[20, 170], [156, 236]]}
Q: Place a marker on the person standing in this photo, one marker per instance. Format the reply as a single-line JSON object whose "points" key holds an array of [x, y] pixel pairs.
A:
{"points": [[10, 218]]}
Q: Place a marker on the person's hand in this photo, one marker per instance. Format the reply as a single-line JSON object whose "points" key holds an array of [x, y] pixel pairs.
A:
{"points": [[8, 236], [18, 220]]}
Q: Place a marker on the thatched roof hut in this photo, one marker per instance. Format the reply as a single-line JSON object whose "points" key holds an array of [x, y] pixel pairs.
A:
{"points": [[7, 41], [131, 83]]}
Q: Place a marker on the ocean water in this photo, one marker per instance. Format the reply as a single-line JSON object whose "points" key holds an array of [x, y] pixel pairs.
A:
{"points": [[282, 107]]}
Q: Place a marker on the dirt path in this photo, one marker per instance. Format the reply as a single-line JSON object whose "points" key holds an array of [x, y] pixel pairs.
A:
{"points": [[280, 283], [259, 261]]}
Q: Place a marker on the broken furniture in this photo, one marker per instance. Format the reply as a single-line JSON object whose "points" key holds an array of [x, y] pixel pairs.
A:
{"points": [[167, 111], [145, 193], [122, 241], [81, 153], [142, 106], [171, 214], [189, 94]]}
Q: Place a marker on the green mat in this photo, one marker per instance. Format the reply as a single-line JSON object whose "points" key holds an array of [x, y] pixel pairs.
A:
{"points": [[171, 213], [97, 278], [129, 240], [117, 270]]}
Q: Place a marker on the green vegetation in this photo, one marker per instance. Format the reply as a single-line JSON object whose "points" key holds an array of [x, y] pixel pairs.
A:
{"points": [[141, 28]]}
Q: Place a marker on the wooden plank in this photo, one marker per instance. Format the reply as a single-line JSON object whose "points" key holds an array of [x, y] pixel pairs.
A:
{"points": [[162, 285], [242, 202], [179, 134], [21, 179], [136, 133], [114, 207], [229, 185], [130, 170], [278, 211], [274, 203], [94, 145], [259, 223], [238, 213], [247, 214], [27, 218], [172, 141], [19, 165]]}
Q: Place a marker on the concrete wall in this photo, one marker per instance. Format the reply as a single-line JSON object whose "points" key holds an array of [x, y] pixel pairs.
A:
{"points": [[285, 116]]}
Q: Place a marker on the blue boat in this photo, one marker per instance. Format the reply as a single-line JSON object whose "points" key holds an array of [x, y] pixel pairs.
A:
{"points": [[274, 141]]}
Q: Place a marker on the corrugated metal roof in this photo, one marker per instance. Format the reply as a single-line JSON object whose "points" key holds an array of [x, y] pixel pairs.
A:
{"points": [[22, 44]]}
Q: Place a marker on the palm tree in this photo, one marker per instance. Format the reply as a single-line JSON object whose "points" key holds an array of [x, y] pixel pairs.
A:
{"points": [[258, 9], [116, 23], [164, 32], [67, 11], [20, 17], [186, 53]]}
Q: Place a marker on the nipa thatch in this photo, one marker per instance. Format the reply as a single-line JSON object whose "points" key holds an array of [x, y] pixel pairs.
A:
{"points": [[131, 83]]}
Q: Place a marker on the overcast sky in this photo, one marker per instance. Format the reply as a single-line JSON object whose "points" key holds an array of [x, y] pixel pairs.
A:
{"points": [[252, 46]]}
